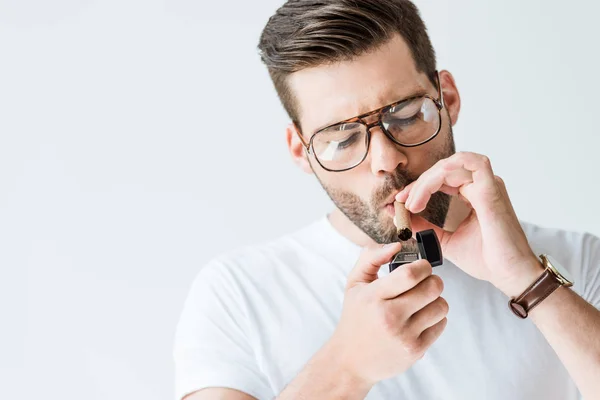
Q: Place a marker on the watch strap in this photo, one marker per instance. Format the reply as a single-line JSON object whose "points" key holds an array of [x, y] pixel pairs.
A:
{"points": [[534, 294]]}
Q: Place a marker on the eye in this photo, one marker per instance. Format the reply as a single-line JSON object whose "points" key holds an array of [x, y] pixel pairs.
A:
{"points": [[349, 141], [402, 122]]}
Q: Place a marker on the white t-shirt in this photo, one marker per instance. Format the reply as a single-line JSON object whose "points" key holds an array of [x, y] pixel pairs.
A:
{"points": [[256, 315]]}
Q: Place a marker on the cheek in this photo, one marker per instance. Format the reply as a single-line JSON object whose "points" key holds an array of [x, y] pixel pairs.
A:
{"points": [[421, 158], [354, 182]]}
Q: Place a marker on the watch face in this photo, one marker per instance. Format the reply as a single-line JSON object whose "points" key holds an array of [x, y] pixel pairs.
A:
{"points": [[562, 271]]}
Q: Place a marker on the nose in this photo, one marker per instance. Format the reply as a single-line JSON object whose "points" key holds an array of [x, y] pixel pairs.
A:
{"points": [[384, 155]]}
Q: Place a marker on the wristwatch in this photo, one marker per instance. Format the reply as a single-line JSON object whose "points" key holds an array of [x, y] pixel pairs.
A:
{"points": [[554, 276]]}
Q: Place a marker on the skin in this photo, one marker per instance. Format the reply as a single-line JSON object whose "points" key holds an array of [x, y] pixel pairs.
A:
{"points": [[361, 192], [387, 324]]}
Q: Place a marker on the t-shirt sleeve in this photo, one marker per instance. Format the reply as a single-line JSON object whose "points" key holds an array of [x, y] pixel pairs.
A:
{"points": [[212, 346], [591, 270]]}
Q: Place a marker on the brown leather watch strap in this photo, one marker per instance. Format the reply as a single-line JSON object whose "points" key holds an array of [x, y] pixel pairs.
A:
{"points": [[534, 294]]}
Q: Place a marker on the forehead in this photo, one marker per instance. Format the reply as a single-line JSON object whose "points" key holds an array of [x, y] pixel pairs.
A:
{"points": [[334, 92]]}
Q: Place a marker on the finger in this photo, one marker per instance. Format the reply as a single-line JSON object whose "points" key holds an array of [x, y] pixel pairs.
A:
{"points": [[428, 316], [369, 263], [463, 171], [478, 164], [434, 181], [407, 191], [484, 183], [431, 334], [403, 279], [413, 300], [403, 196], [450, 190]]}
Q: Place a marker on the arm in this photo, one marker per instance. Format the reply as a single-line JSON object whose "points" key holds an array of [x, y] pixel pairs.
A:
{"points": [[212, 352], [325, 377], [491, 245], [322, 378], [570, 325]]}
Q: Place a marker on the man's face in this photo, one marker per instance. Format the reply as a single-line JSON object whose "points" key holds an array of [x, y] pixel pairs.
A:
{"points": [[335, 92]]}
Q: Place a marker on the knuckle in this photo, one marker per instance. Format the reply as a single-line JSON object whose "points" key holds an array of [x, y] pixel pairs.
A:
{"points": [[436, 285], [447, 165], [463, 155], [486, 160], [427, 265], [443, 306], [414, 348], [499, 180], [441, 162], [411, 273], [415, 270], [423, 264]]}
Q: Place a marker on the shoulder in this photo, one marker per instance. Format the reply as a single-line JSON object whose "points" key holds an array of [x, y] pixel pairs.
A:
{"points": [[557, 241], [261, 263]]}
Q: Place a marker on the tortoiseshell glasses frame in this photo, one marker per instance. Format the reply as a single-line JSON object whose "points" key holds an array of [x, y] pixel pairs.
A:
{"points": [[360, 119]]}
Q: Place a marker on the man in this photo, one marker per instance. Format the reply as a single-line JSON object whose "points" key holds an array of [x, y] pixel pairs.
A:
{"points": [[312, 315]]}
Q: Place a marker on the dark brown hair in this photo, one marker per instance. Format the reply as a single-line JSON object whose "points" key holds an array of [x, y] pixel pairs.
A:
{"points": [[309, 33]]}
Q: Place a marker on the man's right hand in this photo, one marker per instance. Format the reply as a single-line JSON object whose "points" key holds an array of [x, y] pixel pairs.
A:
{"points": [[387, 324]]}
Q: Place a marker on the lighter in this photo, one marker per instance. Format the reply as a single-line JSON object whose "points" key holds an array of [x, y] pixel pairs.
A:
{"points": [[425, 246]]}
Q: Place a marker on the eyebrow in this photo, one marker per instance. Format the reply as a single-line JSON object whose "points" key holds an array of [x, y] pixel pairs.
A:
{"points": [[417, 93]]}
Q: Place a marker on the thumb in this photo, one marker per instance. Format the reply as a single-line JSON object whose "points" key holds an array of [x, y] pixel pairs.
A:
{"points": [[370, 261]]}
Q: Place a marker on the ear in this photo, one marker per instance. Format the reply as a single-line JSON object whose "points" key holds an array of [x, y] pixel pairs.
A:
{"points": [[451, 95], [297, 148]]}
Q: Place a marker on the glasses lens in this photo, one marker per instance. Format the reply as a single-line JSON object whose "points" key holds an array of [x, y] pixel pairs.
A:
{"points": [[340, 146], [412, 122]]}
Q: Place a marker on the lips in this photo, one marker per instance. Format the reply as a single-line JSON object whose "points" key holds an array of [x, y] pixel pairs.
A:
{"points": [[392, 199], [389, 206], [390, 210]]}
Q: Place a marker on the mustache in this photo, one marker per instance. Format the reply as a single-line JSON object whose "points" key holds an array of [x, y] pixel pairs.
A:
{"points": [[393, 183]]}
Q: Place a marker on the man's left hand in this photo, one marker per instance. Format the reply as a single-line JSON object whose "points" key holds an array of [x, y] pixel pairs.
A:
{"points": [[490, 243]]}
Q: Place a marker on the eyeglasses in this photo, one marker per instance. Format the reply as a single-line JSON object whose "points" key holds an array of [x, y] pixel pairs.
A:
{"points": [[408, 123]]}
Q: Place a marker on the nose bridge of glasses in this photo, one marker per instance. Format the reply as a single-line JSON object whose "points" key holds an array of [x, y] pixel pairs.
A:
{"points": [[372, 120]]}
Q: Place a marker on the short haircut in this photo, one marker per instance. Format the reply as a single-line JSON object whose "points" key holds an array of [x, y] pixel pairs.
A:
{"points": [[308, 33]]}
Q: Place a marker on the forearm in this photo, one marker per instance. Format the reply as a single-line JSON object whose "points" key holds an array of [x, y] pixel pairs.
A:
{"points": [[324, 377], [572, 327]]}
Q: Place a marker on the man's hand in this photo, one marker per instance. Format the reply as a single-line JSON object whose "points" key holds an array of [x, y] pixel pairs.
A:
{"points": [[490, 244], [387, 324]]}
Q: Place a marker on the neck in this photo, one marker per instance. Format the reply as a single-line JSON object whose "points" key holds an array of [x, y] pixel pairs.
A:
{"points": [[346, 228]]}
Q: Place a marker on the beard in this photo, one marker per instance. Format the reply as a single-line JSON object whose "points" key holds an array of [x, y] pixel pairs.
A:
{"points": [[370, 216]]}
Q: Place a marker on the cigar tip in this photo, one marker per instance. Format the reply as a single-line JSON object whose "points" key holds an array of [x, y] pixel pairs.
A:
{"points": [[404, 234]]}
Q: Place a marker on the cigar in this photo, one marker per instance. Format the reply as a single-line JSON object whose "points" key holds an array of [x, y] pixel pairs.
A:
{"points": [[402, 221]]}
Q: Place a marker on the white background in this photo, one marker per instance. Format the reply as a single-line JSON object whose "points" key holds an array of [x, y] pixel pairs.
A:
{"points": [[140, 138]]}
